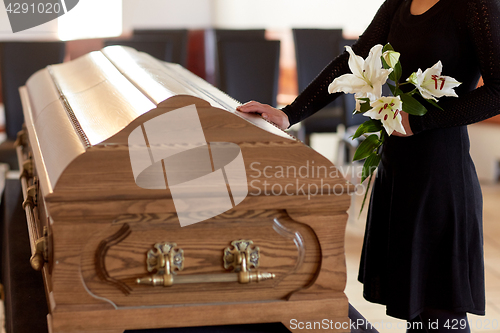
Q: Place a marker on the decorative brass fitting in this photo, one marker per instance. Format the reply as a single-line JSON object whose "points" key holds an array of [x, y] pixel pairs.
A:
{"points": [[164, 259]]}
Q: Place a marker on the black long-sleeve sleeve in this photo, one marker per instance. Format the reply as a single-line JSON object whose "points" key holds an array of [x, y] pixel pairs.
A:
{"points": [[482, 24]]}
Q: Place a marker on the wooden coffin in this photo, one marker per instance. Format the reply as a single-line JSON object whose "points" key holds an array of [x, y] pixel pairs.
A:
{"points": [[123, 244]]}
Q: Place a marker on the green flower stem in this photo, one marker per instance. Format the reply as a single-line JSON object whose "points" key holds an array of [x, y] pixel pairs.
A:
{"points": [[366, 194], [383, 136], [413, 92]]}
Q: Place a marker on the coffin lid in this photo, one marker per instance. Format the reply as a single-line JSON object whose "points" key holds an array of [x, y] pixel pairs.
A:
{"points": [[81, 115]]}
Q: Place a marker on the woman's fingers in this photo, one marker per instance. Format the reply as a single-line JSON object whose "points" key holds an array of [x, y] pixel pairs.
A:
{"points": [[279, 119], [252, 106], [267, 112]]}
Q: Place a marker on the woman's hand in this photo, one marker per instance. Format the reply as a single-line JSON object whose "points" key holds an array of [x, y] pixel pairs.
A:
{"points": [[267, 112], [406, 125]]}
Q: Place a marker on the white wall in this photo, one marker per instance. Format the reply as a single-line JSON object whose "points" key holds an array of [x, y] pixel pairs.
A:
{"points": [[85, 21], [169, 14], [89, 19], [353, 15], [485, 150]]}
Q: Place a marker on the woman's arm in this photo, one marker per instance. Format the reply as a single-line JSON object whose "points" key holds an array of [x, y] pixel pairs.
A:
{"points": [[316, 94]]}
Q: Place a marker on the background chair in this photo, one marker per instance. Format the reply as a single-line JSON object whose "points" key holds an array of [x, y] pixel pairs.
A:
{"points": [[239, 35], [214, 37], [177, 39], [314, 49], [165, 45], [160, 49], [19, 60], [249, 70]]}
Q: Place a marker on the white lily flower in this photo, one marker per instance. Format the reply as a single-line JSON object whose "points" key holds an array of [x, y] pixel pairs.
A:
{"points": [[432, 84], [387, 110], [367, 76]]}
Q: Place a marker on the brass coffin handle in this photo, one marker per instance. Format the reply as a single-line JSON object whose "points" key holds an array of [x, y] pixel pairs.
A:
{"points": [[38, 244], [40, 257], [166, 260]]}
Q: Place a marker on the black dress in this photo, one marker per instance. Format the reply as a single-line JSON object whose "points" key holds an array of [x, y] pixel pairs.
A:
{"points": [[423, 243]]}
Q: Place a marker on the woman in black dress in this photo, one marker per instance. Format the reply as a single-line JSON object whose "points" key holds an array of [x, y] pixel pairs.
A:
{"points": [[423, 248]]}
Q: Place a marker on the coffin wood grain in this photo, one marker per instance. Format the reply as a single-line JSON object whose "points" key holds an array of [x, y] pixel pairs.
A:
{"points": [[228, 314]]}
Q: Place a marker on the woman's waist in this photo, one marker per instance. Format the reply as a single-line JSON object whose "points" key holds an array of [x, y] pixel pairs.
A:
{"points": [[438, 144]]}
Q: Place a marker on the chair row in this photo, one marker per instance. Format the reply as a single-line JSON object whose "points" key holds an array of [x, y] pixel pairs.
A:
{"points": [[245, 63], [18, 61]]}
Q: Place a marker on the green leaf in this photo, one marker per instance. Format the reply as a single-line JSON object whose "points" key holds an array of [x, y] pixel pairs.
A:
{"points": [[399, 92], [392, 87], [387, 47], [383, 135], [365, 105], [369, 126], [367, 147], [412, 106], [433, 102], [371, 163], [396, 73], [399, 71]]}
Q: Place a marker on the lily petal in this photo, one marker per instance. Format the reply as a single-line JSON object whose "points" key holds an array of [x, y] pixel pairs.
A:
{"points": [[355, 62], [373, 63], [347, 83], [367, 76]]}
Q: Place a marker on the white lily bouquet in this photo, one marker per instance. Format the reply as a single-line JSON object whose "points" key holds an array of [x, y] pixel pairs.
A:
{"points": [[366, 81]]}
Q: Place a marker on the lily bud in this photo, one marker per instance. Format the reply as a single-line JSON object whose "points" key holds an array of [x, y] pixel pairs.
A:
{"points": [[413, 79], [391, 58]]}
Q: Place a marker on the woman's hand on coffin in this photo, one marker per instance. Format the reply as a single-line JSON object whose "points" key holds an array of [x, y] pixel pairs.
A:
{"points": [[267, 112]]}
